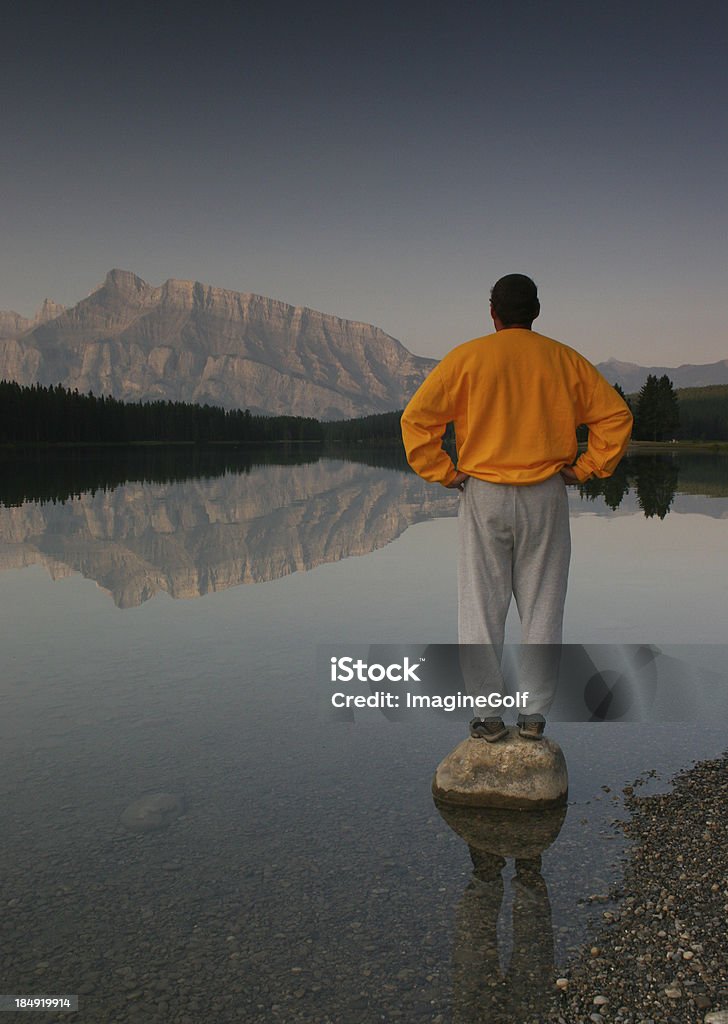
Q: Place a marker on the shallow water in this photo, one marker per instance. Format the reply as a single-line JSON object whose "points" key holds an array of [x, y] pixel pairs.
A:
{"points": [[162, 636]]}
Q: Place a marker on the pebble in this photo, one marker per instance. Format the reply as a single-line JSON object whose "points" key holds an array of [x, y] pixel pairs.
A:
{"points": [[658, 955], [152, 812]]}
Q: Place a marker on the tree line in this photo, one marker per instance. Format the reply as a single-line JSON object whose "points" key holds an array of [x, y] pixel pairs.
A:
{"points": [[51, 414], [703, 413], [48, 414], [39, 413], [662, 413]]}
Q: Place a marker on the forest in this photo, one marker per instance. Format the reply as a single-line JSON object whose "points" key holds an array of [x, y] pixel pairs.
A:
{"points": [[52, 414]]}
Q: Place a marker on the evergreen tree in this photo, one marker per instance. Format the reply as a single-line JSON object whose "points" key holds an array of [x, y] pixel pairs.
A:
{"points": [[657, 409], [668, 411], [645, 427]]}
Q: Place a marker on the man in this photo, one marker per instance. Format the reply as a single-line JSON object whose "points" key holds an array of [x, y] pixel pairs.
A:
{"points": [[516, 398]]}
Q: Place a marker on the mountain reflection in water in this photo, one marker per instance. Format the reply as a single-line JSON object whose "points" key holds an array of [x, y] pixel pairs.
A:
{"points": [[202, 535], [193, 523]]}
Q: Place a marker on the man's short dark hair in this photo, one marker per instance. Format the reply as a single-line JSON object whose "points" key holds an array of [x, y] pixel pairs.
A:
{"points": [[515, 300]]}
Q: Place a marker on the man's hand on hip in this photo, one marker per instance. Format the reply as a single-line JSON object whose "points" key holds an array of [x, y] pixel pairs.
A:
{"points": [[458, 481], [568, 475]]}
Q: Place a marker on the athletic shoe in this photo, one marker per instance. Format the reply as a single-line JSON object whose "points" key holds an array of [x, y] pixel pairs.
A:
{"points": [[531, 730], [490, 729]]}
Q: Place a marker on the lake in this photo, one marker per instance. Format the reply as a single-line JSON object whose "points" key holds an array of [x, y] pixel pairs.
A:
{"points": [[163, 616]]}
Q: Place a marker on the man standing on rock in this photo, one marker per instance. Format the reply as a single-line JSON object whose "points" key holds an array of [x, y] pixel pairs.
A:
{"points": [[516, 399]]}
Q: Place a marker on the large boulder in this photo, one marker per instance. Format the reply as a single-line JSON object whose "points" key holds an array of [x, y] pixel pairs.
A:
{"points": [[514, 773]]}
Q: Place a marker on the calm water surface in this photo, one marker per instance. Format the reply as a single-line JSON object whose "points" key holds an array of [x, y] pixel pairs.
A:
{"points": [[159, 636]]}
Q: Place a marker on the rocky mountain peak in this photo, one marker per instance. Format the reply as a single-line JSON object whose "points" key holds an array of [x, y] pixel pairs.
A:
{"points": [[49, 310], [124, 281], [188, 341], [13, 325]]}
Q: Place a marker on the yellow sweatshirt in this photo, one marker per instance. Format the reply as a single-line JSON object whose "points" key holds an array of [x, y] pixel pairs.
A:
{"points": [[516, 398]]}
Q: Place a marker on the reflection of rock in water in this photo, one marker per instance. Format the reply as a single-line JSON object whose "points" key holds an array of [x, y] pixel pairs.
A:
{"points": [[153, 812], [522, 834], [206, 535], [484, 992]]}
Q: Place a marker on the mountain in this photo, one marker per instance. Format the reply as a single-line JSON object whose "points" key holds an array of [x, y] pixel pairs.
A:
{"points": [[631, 377], [13, 324], [191, 342]]}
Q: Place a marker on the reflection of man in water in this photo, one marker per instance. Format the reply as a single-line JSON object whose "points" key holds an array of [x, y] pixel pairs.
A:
{"points": [[483, 990], [489, 987], [516, 398]]}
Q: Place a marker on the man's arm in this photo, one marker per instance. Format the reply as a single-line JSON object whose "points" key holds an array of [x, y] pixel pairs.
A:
{"points": [[609, 421], [423, 424]]}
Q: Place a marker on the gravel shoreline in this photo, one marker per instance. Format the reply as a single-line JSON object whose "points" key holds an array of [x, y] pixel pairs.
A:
{"points": [[660, 955]]}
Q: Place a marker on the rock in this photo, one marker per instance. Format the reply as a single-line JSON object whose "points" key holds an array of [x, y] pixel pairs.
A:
{"points": [[152, 812], [717, 1017], [562, 983], [514, 773]]}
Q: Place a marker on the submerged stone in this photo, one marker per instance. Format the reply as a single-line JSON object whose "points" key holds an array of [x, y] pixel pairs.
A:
{"points": [[514, 773], [152, 812]]}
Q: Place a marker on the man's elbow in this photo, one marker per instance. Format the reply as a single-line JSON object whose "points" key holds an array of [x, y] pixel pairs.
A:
{"points": [[408, 420], [621, 422]]}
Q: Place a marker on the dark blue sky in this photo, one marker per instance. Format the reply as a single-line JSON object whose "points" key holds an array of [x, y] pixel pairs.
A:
{"points": [[380, 162]]}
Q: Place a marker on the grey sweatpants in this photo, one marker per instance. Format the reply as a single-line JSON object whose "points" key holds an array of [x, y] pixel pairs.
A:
{"points": [[513, 541]]}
